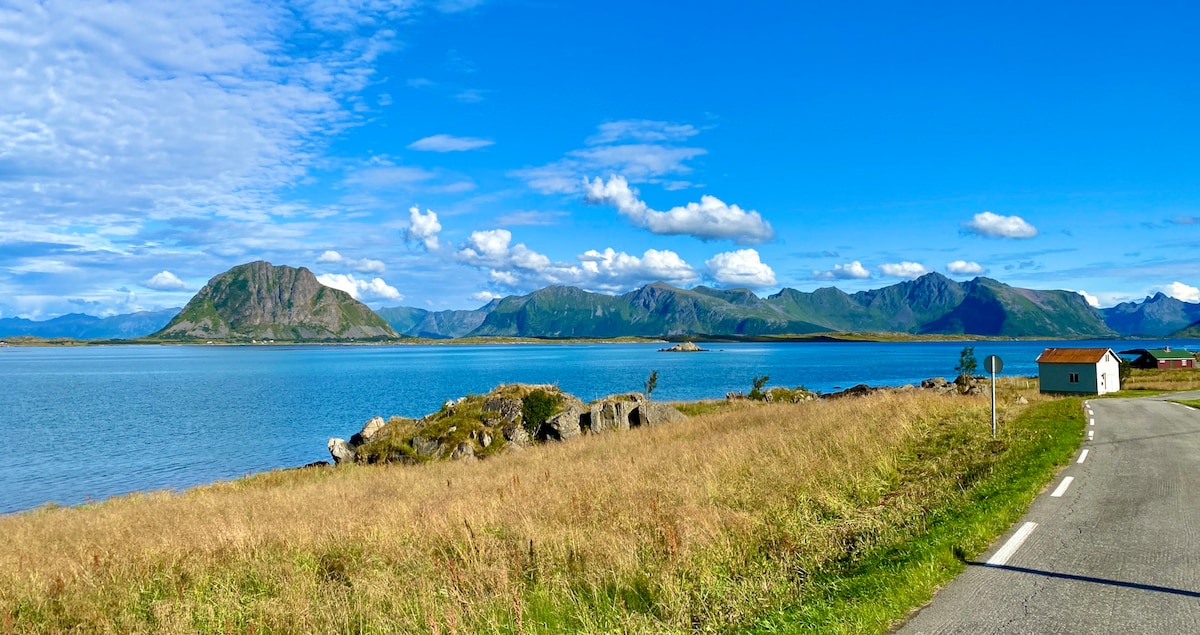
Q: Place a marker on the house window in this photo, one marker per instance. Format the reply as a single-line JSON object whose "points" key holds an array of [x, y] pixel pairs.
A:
{"points": [[1073, 378]]}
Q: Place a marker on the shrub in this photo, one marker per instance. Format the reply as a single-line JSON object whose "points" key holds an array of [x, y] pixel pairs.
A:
{"points": [[756, 392], [651, 383], [967, 364], [536, 408]]}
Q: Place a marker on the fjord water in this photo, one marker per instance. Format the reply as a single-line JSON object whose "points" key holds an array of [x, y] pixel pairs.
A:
{"points": [[85, 423]]}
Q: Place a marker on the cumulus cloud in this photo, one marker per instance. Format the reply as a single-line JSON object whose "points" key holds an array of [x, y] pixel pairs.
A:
{"points": [[997, 226], [165, 281], [484, 296], [1181, 291], [365, 265], [518, 267], [849, 271], [364, 290], [904, 269], [741, 268], [965, 268], [709, 219], [449, 143], [1091, 299], [423, 228]]}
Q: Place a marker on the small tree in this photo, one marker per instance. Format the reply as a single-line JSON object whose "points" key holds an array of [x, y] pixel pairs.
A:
{"points": [[967, 364], [651, 383], [1126, 370], [536, 408], [757, 384]]}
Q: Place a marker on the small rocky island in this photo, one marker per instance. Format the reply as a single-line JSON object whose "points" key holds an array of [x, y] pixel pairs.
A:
{"points": [[683, 347], [508, 419]]}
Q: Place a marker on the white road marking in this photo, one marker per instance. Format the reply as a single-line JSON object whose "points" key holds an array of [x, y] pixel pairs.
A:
{"points": [[1091, 434], [1082, 455], [1001, 557], [1091, 422], [1062, 487]]}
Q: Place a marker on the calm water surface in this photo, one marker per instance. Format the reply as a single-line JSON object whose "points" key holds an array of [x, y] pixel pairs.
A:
{"points": [[88, 423]]}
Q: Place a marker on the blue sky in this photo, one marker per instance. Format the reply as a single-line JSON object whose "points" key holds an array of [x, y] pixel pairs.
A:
{"points": [[438, 154]]}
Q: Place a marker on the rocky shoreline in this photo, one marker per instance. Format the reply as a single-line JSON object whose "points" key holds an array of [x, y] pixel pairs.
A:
{"points": [[511, 417]]}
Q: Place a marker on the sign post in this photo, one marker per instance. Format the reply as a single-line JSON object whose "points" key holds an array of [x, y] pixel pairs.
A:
{"points": [[993, 365]]}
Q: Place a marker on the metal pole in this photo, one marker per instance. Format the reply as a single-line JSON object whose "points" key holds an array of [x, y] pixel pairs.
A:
{"points": [[993, 400]]}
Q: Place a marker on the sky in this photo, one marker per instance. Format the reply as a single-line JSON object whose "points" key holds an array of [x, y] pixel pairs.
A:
{"points": [[440, 154]]}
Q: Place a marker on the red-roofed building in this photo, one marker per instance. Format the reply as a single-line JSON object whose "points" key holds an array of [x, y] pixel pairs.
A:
{"points": [[1091, 371]]}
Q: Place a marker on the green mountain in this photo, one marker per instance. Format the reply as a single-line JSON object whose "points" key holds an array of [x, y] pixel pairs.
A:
{"points": [[1156, 316], [434, 324], [931, 304], [262, 301]]}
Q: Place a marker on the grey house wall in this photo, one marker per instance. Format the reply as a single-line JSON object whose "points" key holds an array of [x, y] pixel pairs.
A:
{"points": [[1094, 379]]}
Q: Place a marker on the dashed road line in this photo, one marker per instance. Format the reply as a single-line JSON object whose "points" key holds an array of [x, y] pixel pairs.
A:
{"points": [[1062, 487], [1000, 558], [1091, 422], [1091, 435], [1082, 455]]}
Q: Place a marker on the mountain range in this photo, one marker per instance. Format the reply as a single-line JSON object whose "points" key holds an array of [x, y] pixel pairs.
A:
{"points": [[262, 301]]}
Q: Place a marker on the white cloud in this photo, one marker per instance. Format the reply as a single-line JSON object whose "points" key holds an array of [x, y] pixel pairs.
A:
{"points": [[650, 158], [1091, 299], [362, 290], [485, 296], [965, 268], [709, 219], [1181, 291], [642, 130], [519, 268], [741, 268], [997, 226], [165, 281], [616, 270], [849, 271], [365, 265], [904, 269], [531, 218], [449, 143], [423, 228]]}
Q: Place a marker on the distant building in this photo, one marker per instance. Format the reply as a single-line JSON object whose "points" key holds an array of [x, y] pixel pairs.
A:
{"points": [[1163, 358], [1091, 371]]}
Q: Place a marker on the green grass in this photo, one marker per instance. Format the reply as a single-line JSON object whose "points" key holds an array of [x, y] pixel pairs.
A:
{"points": [[1134, 394], [1194, 403], [869, 594]]}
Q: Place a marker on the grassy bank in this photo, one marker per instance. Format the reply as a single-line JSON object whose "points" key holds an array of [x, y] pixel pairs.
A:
{"points": [[1162, 380], [830, 515]]}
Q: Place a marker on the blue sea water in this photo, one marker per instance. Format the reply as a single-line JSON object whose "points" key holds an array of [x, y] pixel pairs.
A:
{"points": [[91, 422]]}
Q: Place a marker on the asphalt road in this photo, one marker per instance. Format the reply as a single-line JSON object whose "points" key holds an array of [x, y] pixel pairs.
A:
{"points": [[1114, 550]]}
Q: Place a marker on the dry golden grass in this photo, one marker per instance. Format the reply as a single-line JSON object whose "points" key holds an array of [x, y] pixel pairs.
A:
{"points": [[1155, 379], [696, 526]]}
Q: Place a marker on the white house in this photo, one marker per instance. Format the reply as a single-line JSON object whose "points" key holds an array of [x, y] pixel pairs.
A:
{"points": [[1092, 371]]}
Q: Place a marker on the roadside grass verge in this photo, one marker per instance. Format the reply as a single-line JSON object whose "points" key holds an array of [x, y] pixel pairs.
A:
{"points": [[821, 516], [1191, 403]]}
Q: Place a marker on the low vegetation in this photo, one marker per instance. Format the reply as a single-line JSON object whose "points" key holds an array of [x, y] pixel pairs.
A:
{"points": [[829, 516], [1147, 379]]}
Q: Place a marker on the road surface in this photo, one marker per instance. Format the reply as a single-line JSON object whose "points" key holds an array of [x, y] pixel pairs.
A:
{"points": [[1112, 546]]}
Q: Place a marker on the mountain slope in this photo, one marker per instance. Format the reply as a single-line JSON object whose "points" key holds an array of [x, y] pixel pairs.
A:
{"points": [[1157, 316], [86, 327], [435, 324], [262, 301]]}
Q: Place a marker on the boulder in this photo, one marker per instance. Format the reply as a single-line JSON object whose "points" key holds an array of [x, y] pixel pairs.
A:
{"points": [[515, 434], [427, 448], [655, 413], [972, 390], [935, 382], [861, 390], [617, 412], [341, 451], [1021, 400], [482, 437], [368, 430], [683, 347], [463, 451], [565, 425]]}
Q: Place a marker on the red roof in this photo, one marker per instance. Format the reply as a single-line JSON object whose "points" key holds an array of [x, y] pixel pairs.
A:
{"points": [[1073, 355]]}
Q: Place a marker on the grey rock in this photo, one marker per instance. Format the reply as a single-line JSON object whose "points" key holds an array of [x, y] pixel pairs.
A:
{"points": [[618, 412], [341, 451], [656, 413], [463, 451], [565, 425], [973, 390], [1021, 400], [935, 382], [429, 448], [368, 431], [483, 438], [515, 434], [503, 409]]}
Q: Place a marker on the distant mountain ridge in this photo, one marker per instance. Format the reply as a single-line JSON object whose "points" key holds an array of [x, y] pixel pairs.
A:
{"points": [[259, 300], [931, 304], [86, 327]]}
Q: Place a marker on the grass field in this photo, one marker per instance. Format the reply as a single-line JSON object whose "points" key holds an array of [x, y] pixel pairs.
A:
{"points": [[1162, 380], [822, 516]]}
